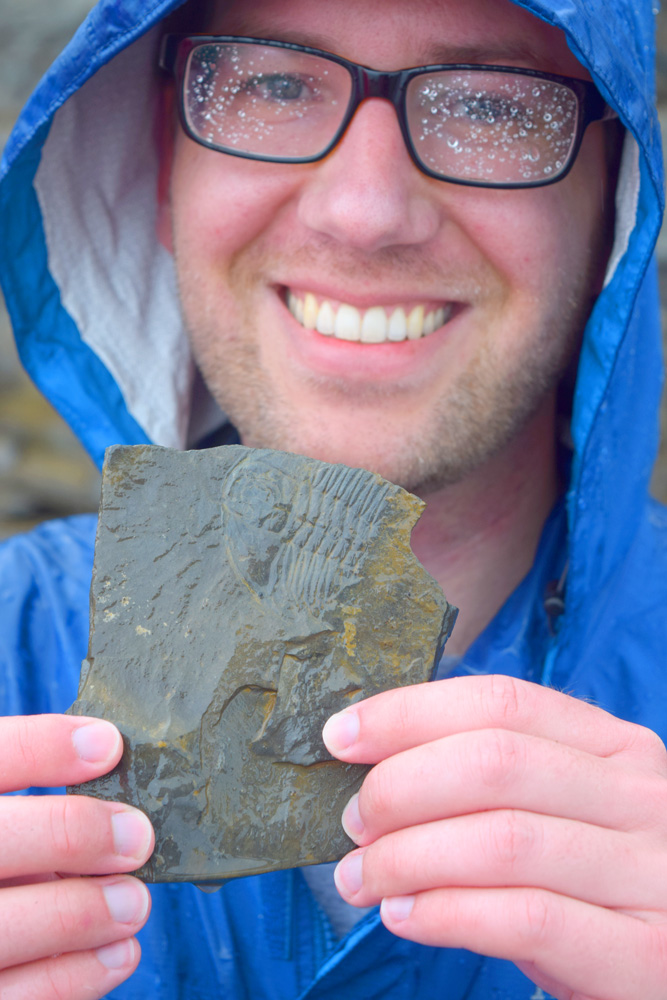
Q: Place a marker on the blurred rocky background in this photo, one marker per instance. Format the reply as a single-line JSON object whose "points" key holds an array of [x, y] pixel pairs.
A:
{"points": [[659, 484], [43, 470]]}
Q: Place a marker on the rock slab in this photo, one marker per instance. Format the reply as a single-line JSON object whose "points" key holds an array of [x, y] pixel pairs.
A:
{"points": [[239, 598]]}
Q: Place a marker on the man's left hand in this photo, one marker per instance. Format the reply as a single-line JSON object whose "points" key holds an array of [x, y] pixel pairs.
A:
{"points": [[514, 821]]}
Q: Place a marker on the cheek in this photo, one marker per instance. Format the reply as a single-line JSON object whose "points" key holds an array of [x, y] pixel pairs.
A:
{"points": [[221, 204], [539, 240]]}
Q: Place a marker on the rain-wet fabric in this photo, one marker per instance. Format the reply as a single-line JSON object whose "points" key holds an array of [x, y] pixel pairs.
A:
{"points": [[93, 302]]}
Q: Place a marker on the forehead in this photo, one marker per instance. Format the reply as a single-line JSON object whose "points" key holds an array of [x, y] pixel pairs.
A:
{"points": [[392, 34]]}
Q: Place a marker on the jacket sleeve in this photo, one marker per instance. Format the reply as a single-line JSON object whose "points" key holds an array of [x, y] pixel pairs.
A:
{"points": [[44, 593]]}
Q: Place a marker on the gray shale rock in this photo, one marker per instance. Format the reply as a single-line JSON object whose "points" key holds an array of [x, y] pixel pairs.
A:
{"points": [[239, 598]]}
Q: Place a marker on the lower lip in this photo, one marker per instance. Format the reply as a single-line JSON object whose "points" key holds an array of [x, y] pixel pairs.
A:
{"points": [[354, 361]]}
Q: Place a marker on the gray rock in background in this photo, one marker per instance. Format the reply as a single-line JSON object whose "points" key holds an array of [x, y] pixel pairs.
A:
{"points": [[659, 482], [43, 470], [33, 32]]}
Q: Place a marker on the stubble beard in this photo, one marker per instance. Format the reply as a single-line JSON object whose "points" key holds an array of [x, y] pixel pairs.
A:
{"points": [[485, 408]]}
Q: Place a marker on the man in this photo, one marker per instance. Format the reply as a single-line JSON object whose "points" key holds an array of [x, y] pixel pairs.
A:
{"points": [[406, 297]]}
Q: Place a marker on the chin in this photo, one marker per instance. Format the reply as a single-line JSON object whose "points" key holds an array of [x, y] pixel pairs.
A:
{"points": [[323, 449], [405, 465]]}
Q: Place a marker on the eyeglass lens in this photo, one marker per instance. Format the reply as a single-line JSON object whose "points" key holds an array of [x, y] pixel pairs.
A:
{"points": [[472, 125], [265, 100]]}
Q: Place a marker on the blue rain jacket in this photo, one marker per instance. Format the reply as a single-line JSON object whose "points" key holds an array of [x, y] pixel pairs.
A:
{"points": [[92, 300]]}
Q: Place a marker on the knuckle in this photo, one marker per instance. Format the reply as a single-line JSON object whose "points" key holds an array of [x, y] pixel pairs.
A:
{"points": [[501, 700], [504, 699], [59, 981], [76, 910], [403, 710], [498, 758], [650, 747], [65, 916], [64, 824], [378, 792], [657, 948], [27, 759], [383, 863], [543, 920], [392, 866], [654, 801], [509, 839]]}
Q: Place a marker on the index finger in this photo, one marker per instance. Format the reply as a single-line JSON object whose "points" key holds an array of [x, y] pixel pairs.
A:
{"points": [[52, 750], [369, 731]]}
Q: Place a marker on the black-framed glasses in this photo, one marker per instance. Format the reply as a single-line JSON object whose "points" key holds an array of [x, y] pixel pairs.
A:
{"points": [[486, 126]]}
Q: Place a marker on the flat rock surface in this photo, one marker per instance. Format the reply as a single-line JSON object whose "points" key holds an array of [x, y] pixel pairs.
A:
{"points": [[239, 598]]}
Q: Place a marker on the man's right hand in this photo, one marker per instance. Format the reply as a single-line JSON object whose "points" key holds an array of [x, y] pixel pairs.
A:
{"points": [[62, 935]]}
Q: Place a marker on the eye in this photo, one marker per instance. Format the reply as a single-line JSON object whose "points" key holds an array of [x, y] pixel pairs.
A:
{"points": [[488, 108], [278, 87]]}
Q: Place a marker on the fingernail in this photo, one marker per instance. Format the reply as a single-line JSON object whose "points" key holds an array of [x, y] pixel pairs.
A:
{"points": [[117, 955], [351, 820], [127, 901], [96, 742], [341, 731], [132, 833], [397, 908], [348, 874]]}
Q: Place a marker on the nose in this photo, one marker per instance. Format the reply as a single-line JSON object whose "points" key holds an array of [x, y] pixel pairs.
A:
{"points": [[368, 193]]}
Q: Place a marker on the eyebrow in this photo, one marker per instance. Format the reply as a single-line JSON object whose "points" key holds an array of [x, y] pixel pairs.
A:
{"points": [[515, 53], [510, 54]]}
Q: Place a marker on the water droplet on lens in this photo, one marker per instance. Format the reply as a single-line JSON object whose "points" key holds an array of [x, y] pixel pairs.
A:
{"points": [[532, 154]]}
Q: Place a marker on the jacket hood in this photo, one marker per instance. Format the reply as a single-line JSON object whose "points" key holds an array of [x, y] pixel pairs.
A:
{"points": [[92, 294]]}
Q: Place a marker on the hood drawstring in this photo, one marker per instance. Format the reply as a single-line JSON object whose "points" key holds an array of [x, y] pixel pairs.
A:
{"points": [[554, 600]]}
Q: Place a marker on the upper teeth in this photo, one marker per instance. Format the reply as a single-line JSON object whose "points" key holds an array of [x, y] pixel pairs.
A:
{"points": [[369, 326]]}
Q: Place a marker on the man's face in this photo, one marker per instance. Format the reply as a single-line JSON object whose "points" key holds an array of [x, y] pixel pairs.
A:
{"points": [[512, 272]]}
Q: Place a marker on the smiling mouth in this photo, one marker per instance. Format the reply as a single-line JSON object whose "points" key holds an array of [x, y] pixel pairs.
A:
{"points": [[376, 325]]}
